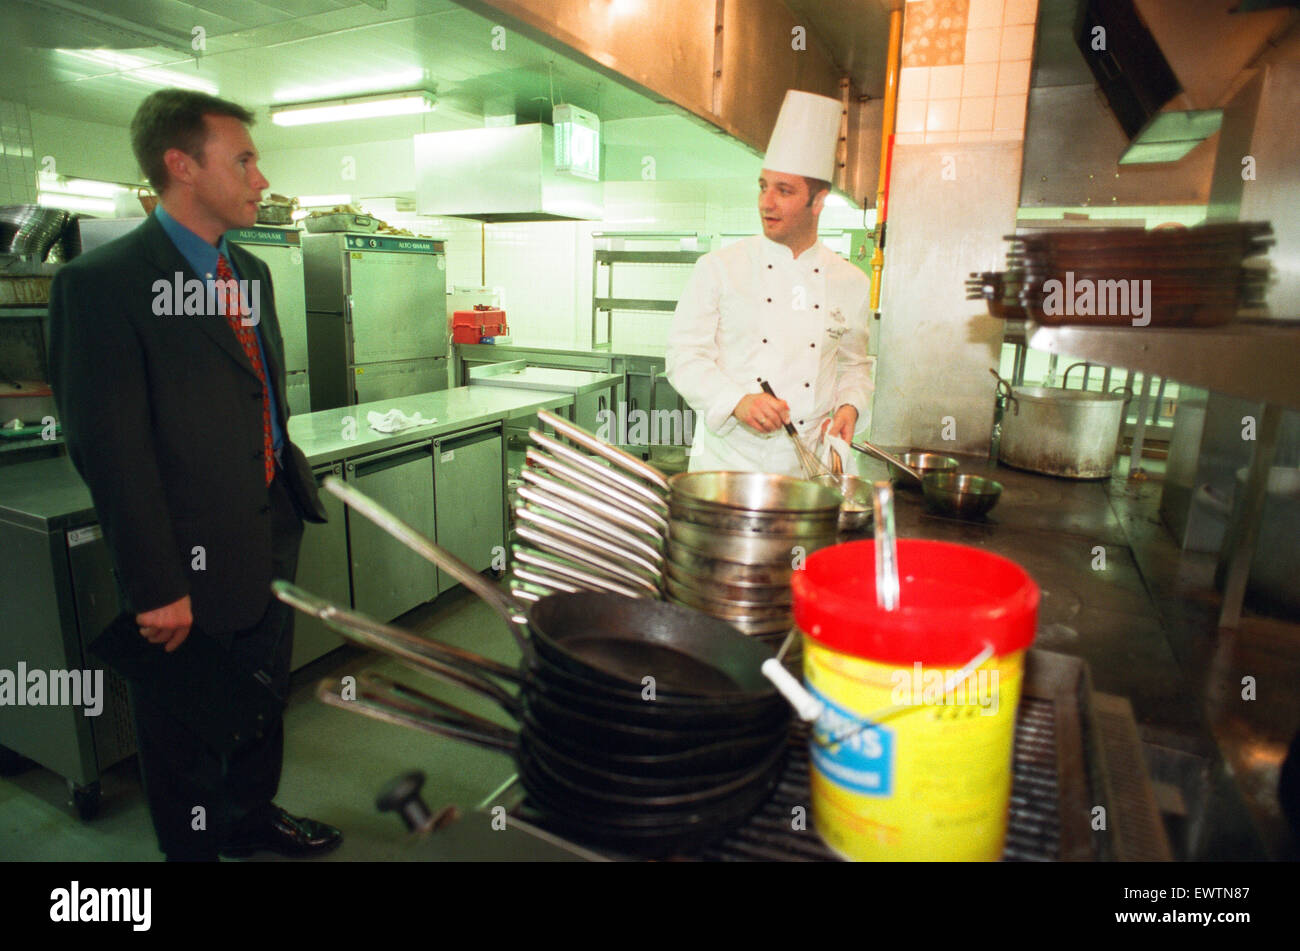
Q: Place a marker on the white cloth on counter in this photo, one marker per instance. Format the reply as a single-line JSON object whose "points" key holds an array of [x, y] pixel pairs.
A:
{"points": [[848, 455], [753, 310], [395, 421]]}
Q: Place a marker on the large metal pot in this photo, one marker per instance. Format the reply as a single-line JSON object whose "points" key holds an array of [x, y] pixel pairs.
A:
{"points": [[746, 547], [1069, 433], [755, 522], [753, 492]]}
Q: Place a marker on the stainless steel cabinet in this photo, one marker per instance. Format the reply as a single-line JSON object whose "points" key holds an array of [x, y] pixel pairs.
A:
{"points": [[388, 579], [590, 410], [94, 592], [59, 594], [377, 317], [469, 489], [323, 570], [385, 381]]}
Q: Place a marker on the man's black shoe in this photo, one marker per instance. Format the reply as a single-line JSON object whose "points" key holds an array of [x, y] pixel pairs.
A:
{"points": [[288, 835]]}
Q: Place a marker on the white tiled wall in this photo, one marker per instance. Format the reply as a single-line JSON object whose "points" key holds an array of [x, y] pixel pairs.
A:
{"points": [[983, 98], [544, 269]]}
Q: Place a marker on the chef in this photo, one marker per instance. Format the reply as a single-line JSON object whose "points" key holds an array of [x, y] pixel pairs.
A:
{"points": [[780, 307]]}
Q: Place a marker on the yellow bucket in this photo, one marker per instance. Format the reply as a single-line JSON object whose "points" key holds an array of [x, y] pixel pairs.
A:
{"points": [[911, 758]]}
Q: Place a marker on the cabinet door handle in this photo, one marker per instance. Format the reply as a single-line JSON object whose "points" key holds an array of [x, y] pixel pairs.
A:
{"points": [[393, 457]]}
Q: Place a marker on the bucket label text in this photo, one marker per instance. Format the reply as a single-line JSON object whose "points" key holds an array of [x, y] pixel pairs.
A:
{"points": [[857, 757]]}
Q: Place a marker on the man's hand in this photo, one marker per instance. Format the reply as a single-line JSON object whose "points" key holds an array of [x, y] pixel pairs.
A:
{"points": [[842, 423], [762, 412], [168, 625]]}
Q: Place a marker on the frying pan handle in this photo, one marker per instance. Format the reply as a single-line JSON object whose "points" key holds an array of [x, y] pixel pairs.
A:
{"points": [[618, 480], [540, 461], [328, 693], [767, 388], [497, 599], [341, 617], [805, 704], [377, 686], [593, 443], [873, 450], [458, 677], [447, 663], [1007, 393]]}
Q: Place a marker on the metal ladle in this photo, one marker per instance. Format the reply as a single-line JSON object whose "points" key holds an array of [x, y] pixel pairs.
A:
{"points": [[805, 704], [882, 503]]}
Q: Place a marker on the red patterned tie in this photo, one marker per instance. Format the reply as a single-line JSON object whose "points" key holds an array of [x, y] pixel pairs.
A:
{"points": [[247, 338]]}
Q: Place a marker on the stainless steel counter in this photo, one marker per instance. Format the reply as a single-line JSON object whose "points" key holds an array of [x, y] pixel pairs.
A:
{"points": [[1255, 361], [335, 434], [45, 494], [513, 376], [48, 494], [646, 350]]}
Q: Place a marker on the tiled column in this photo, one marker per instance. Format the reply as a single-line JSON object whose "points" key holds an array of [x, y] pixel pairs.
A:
{"points": [[954, 191], [965, 74]]}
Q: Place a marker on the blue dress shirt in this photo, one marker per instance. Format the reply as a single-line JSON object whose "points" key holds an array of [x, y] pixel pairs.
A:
{"points": [[203, 258]]}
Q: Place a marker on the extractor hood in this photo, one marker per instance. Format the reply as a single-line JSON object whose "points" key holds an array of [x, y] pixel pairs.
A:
{"points": [[1167, 67], [505, 173]]}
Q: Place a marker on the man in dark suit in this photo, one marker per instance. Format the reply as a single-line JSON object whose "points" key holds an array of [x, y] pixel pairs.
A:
{"points": [[177, 421]]}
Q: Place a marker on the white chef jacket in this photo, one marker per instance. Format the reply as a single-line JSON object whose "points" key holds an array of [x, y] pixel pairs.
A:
{"points": [[752, 310]]}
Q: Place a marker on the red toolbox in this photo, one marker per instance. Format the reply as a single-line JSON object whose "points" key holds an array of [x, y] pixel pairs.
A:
{"points": [[471, 326]]}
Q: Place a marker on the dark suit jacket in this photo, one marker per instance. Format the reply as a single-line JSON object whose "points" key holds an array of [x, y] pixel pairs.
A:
{"points": [[163, 419]]}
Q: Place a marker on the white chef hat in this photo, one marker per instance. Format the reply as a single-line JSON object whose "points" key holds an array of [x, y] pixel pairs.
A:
{"points": [[806, 134]]}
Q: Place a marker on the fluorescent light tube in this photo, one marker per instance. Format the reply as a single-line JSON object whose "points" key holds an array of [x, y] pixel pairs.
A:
{"points": [[365, 107], [359, 86], [97, 206]]}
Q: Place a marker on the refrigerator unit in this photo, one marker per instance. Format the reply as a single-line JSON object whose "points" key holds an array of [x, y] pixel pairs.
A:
{"points": [[281, 249], [376, 317]]}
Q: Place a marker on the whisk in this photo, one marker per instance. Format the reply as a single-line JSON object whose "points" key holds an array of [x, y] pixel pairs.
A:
{"points": [[813, 468]]}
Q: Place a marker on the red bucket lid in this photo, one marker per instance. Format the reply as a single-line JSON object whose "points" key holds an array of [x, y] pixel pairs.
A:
{"points": [[952, 600]]}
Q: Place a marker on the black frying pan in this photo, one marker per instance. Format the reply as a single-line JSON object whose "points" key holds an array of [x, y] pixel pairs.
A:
{"points": [[706, 708], [607, 638], [589, 779], [620, 641], [620, 721], [660, 820]]}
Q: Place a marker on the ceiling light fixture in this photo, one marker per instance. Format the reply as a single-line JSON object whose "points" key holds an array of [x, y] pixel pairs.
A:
{"points": [[411, 78], [142, 71], [84, 187], [82, 203], [407, 103]]}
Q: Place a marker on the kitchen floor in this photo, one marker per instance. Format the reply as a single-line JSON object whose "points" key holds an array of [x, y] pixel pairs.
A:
{"points": [[1145, 623]]}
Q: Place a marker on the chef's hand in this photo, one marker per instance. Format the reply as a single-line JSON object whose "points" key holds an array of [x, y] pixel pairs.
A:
{"points": [[842, 423], [168, 625], [762, 412]]}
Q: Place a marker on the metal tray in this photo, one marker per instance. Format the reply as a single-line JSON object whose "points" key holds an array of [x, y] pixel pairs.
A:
{"points": [[358, 224]]}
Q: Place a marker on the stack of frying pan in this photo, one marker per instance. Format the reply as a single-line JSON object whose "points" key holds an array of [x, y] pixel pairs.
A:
{"points": [[641, 726], [587, 521], [1189, 277], [735, 538]]}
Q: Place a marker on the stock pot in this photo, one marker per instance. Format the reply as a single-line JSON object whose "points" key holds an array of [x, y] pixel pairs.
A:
{"points": [[1067, 433]]}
